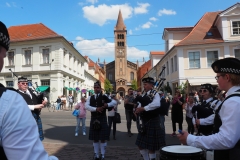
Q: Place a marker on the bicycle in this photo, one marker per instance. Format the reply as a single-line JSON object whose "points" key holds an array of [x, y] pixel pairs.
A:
{"points": [[51, 106]]}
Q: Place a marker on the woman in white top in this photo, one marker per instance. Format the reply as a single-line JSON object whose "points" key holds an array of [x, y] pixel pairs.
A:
{"points": [[111, 114], [189, 114]]}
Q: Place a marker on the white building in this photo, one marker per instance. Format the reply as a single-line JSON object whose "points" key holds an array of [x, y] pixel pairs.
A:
{"points": [[43, 56]]}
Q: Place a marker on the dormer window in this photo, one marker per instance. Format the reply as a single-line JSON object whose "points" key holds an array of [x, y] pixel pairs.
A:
{"points": [[209, 34], [236, 27]]}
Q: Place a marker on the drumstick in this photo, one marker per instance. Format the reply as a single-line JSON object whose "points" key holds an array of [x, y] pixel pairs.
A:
{"points": [[180, 131]]}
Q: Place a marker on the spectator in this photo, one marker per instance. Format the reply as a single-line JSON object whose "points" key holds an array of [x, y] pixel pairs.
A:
{"points": [[70, 101], [58, 101], [128, 104], [188, 107], [64, 101], [177, 112], [81, 117], [111, 114]]}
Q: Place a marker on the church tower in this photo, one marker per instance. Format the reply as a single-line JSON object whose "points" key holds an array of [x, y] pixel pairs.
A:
{"points": [[120, 34]]}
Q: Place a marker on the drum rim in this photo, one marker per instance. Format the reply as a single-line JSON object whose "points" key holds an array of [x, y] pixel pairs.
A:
{"points": [[180, 154]]}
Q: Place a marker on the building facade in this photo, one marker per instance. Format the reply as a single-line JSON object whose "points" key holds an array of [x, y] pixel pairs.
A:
{"points": [[190, 51], [48, 59]]}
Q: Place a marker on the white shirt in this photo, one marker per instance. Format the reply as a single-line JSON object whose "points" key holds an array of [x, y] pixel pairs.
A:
{"points": [[111, 113], [18, 130], [31, 107], [94, 109], [228, 134], [154, 104]]}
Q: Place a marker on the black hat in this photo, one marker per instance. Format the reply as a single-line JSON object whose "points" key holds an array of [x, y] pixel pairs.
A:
{"points": [[4, 36], [148, 80], [98, 83], [207, 86], [22, 79], [227, 65]]}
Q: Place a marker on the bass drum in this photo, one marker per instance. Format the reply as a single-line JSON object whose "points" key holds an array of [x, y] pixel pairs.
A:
{"points": [[181, 152]]}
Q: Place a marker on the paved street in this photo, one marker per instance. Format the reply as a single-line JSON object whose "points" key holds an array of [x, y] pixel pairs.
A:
{"points": [[59, 130]]}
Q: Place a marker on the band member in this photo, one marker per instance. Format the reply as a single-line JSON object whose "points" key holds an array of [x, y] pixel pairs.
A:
{"points": [[204, 109], [18, 131], [99, 131], [150, 137], [226, 138], [33, 101]]}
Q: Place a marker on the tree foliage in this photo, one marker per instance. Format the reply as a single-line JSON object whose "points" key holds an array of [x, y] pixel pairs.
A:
{"points": [[134, 85], [167, 88], [108, 86]]}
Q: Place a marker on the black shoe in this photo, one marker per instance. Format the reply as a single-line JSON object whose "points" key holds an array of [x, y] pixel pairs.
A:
{"points": [[114, 138], [129, 134], [101, 158], [95, 157]]}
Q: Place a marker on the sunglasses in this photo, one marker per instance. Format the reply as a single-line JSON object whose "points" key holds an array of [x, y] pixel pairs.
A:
{"points": [[96, 87], [202, 90], [24, 83]]}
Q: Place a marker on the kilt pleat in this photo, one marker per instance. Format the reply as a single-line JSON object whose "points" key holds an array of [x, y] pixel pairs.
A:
{"points": [[102, 134], [39, 124], [154, 138]]}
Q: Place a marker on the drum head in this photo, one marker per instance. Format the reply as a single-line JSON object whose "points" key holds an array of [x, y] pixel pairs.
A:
{"points": [[181, 149]]}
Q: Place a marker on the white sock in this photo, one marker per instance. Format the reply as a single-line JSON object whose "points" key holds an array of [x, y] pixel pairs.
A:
{"points": [[103, 147], [144, 153], [152, 155], [96, 149]]}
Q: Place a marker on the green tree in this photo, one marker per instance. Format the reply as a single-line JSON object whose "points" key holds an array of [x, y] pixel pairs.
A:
{"points": [[182, 88], [108, 86], [134, 85], [167, 88]]}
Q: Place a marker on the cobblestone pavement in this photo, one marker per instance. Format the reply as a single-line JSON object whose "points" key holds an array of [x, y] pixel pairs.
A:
{"points": [[85, 152]]}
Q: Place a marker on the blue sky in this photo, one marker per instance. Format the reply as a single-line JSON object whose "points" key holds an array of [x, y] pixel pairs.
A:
{"points": [[89, 24]]}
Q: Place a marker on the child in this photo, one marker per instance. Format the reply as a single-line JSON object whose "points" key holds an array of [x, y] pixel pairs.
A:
{"points": [[81, 117]]}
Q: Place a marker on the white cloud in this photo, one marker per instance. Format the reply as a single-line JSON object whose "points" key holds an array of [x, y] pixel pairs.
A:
{"points": [[130, 32], [147, 25], [153, 19], [8, 4], [92, 1], [79, 38], [142, 8], [103, 13], [81, 3], [105, 49], [166, 12]]}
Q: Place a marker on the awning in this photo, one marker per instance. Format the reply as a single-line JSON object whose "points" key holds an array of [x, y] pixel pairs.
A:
{"points": [[42, 88], [198, 81]]}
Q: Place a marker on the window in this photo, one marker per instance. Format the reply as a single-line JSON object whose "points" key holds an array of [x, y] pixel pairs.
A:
{"points": [[45, 55], [172, 68], [163, 73], [110, 76], [236, 27], [175, 62], [10, 58], [167, 68], [194, 59], [27, 57], [237, 53], [45, 82], [9, 83], [132, 76], [212, 56]]}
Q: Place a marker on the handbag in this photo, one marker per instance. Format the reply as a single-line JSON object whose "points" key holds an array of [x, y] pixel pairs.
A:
{"points": [[76, 112], [117, 117]]}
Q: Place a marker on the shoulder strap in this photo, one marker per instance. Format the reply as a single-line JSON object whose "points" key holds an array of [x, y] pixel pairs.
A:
{"points": [[232, 95]]}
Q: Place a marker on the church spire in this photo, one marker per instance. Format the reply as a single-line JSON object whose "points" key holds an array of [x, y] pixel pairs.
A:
{"points": [[120, 24]]}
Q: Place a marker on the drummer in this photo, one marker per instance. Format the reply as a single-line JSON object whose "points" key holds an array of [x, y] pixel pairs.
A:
{"points": [[226, 138]]}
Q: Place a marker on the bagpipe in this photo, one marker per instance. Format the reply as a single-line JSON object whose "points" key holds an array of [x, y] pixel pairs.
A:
{"points": [[39, 95], [156, 87]]}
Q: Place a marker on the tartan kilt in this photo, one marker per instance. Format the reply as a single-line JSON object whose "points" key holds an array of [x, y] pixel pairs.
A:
{"points": [[102, 134], [39, 124], [154, 138]]}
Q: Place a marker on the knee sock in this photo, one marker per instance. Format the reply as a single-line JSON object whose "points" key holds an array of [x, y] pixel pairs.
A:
{"points": [[103, 148], [152, 155], [96, 149], [144, 153]]}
